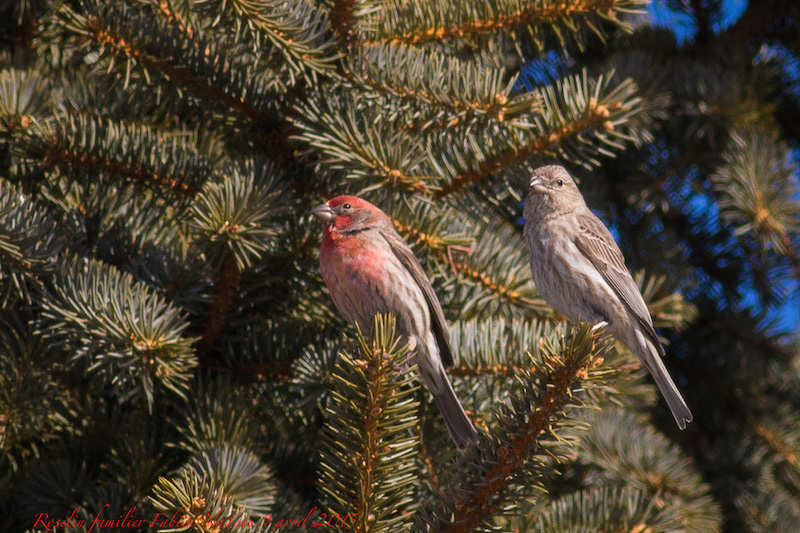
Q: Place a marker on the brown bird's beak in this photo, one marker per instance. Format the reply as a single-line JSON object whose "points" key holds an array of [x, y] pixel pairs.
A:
{"points": [[538, 186], [324, 213]]}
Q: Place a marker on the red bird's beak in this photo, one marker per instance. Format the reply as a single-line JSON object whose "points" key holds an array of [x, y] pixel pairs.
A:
{"points": [[324, 213], [538, 186]]}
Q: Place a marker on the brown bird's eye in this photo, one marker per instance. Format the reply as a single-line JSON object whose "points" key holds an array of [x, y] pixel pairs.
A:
{"points": [[560, 183], [346, 206]]}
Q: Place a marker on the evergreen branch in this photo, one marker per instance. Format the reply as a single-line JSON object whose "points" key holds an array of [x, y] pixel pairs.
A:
{"points": [[433, 242], [298, 30], [702, 20], [240, 475], [270, 371], [58, 155], [119, 331], [195, 497], [792, 253], [29, 244], [757, 191], [217, 413], [478, 270], [642, 457], [494, 371], [368, 466], [758, 342], [226, 287], [159, 160], [354, 137], [428, 460], [24, 99], [239, 214], [486, 282], [200, 85], [574, 110], [185, 57], [29, 396], [435, 89], [608, 508], [506, 292], [495, 17], [670, 310], [596, 119], [164, 8], [564, 371], [278, 350], [343, 22], [768, 510], [783, 449]]}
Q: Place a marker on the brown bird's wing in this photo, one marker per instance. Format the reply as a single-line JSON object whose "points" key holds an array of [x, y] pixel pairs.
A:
{"points": [[408, 259], [597, 244]]}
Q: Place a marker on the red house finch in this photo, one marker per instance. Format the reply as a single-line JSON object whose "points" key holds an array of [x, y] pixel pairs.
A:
{"points": [[580, 272], [369, 269]]}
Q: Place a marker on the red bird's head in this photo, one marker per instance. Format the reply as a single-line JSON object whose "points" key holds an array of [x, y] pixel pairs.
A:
{"points": [[348, 214]]}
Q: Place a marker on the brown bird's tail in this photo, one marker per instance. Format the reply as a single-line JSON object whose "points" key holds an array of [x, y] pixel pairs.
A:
{"points": [[652, 360], [458, 423]]}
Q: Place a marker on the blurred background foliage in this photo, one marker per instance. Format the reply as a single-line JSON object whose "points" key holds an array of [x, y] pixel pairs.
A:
{"points": [[167, 343]]}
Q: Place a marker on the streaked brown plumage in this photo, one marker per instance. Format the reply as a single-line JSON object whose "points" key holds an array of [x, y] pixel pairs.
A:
{"points": [[581, 273], [370, 269]]}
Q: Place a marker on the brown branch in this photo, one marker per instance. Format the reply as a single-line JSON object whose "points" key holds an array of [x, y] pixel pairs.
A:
{"points": [[509, 371], [174, 18], [56, 155], [780, 447], [367, 460], [533, 14], [597, 119], [766, 522], [395, 177], [475, 503], [438, 246], [179, 74], [482, 279], [432, 242], [271, 370], [494, 109], [343, 23], [225, 289], [428, 460]]}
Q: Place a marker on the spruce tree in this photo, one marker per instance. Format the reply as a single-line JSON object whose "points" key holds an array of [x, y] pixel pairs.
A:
{"points": [[169, 353]]}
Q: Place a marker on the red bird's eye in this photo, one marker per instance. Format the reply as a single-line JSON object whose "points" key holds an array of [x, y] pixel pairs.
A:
{"points": [[346, 206]]}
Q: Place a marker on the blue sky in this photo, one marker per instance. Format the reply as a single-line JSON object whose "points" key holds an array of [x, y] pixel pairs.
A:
{"points": [[784, 317]]}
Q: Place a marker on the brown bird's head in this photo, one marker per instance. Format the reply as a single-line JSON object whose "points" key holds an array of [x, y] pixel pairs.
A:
{"points": [[551, 190], [348, 214]]}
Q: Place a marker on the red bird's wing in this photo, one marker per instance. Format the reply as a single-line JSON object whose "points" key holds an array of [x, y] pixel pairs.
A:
{"points": [[597, 244], [408, 260]]}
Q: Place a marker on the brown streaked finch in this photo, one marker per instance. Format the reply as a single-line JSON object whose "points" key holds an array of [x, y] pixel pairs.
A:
{"points": [[369, 269], [580, 272]]}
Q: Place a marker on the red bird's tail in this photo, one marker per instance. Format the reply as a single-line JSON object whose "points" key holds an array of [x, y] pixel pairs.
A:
{"points": [[458, 423]]}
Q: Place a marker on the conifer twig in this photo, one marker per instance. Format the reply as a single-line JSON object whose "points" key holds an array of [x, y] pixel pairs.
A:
{"points": [[597, 119], [180, 74], [474, 504], [225, 288], [343, 22], [57, 154], [535, 13]]}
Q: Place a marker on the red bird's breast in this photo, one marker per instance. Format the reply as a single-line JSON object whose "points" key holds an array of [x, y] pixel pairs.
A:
{"points": [[354, 269]]}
